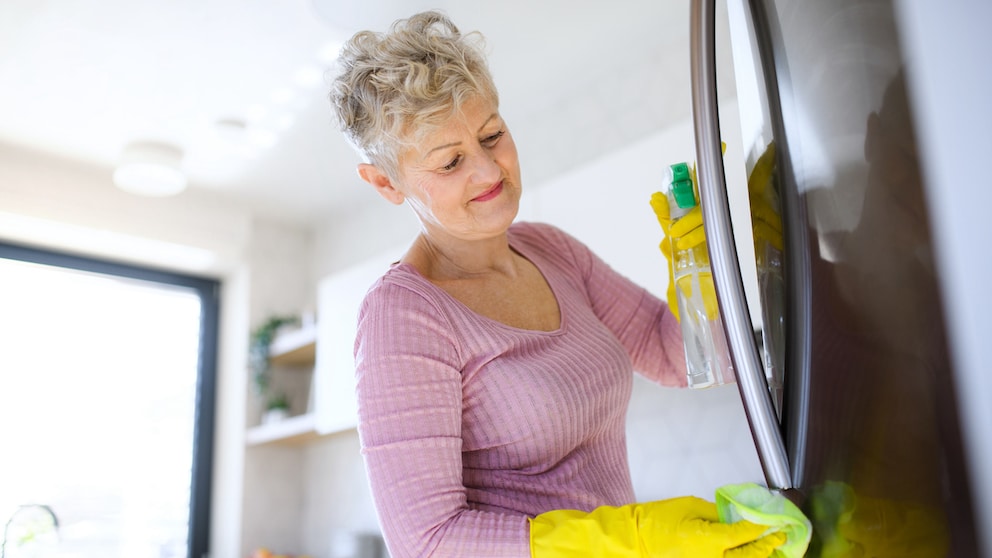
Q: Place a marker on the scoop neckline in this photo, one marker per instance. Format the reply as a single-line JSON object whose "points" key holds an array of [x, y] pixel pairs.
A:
{"points": [[562, 317]]}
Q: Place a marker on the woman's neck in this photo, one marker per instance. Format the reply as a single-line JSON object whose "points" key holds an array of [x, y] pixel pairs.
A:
{"points": [[454, 259]]}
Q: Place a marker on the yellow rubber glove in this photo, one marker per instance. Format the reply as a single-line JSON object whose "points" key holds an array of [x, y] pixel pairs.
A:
{"points": [[675, 528], [686, 233]]}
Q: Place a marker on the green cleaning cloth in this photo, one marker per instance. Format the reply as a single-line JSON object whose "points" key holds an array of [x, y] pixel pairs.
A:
{"points": [[757, 504]]}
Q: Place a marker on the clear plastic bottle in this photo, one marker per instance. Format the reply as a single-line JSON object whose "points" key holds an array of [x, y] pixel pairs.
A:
{"points": [[706, 352]]}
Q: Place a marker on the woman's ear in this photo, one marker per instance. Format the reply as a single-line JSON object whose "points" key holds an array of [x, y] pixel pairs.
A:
{"points": [[381, 183]]}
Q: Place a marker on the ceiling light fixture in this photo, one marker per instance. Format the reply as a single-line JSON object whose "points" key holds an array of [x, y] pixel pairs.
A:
{"points": [[150, 168]]}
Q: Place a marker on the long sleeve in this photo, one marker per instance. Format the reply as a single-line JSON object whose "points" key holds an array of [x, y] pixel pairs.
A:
{"points": [[410, 408]]}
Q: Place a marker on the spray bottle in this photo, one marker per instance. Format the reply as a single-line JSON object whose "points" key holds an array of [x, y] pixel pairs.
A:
{"points": [[706, 352]]}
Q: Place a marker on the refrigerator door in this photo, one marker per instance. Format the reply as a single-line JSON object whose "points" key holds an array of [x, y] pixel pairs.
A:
{"points": [[869, 420], [759, 400]]}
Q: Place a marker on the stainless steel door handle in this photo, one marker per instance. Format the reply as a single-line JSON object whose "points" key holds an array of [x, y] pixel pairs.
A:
{"points": [[723, 255]]}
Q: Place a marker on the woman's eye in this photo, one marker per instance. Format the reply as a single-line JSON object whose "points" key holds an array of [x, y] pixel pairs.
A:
{"points": [[492, 140], [451, 166]]}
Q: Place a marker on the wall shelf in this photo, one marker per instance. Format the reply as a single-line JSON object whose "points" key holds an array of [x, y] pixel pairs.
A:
{"points": [[290, 431], [296, 347]]}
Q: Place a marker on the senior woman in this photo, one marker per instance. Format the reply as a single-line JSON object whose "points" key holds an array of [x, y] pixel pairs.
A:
{"points": [[495, 359]]}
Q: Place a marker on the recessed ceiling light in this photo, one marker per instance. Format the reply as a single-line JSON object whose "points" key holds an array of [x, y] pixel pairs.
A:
{"points": [[150, 168], [228, 141], [231, 130]]}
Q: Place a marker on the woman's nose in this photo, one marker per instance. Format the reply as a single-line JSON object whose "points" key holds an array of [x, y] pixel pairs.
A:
{"points": [[485, 169]]}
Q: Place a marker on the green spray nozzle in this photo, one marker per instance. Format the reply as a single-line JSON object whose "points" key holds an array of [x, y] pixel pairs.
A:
{"points": [[682, 190]]}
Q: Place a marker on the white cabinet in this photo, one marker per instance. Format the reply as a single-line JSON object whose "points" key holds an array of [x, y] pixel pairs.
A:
{"points": [[338, 299]]}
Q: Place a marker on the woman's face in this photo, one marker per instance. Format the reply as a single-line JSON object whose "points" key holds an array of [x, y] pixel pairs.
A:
{"points": [[463, 178]]}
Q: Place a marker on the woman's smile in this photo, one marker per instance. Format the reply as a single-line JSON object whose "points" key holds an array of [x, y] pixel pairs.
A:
{"points": [[491, 193]]}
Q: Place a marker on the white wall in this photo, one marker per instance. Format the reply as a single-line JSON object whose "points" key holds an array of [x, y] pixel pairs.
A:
{"points": [[53, 202]]}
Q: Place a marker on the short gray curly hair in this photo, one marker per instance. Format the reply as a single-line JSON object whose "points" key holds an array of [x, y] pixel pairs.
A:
{"points": [[396, 85]]}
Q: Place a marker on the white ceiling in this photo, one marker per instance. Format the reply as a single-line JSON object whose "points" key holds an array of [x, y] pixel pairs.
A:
{"points": [[80, 79]]}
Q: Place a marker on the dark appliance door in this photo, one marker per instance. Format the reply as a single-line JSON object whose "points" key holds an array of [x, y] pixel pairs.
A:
{"points": [[864, 431]]}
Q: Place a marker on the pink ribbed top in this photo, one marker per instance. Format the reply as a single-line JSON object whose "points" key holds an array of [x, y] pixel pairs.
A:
{"points": [[469, 426]]}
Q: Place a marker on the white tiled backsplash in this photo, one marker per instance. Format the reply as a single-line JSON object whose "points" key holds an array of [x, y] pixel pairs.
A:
{"points": [[688, 442]]}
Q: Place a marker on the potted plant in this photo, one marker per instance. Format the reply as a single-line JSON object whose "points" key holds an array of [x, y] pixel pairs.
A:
{"points": [[258, 350], [276, 408]]}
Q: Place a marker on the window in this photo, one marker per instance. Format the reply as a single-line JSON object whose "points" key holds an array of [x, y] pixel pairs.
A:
{"points": [[107, 388]]}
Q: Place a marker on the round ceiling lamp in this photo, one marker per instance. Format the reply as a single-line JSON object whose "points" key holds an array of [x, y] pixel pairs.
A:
{"points": [[149, 168]]}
